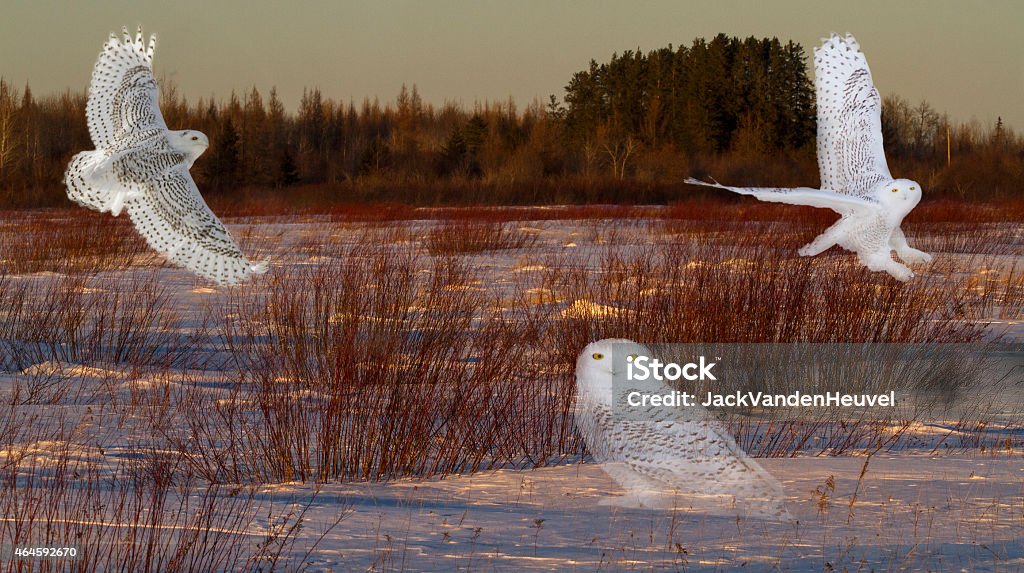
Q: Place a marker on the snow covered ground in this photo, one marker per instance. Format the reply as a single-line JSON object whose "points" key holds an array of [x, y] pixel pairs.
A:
{"points": [[912, 512], [946, 508]]}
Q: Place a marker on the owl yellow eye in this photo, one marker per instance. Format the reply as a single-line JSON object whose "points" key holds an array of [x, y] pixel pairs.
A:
{"points": [[597, 356], [912, 188], [895, 190], [632, 356]]}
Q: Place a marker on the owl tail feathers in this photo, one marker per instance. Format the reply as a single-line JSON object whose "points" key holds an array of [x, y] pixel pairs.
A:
{"points": [[90, 180]]}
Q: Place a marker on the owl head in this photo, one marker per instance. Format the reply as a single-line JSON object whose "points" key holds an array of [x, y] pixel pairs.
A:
{"points": [[595, 367], [899, 195], [190, 142]]}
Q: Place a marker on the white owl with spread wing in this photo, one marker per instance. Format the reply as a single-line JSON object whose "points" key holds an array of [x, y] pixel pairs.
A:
{"points": [[855, 179], [141, 166], [655, 453]]}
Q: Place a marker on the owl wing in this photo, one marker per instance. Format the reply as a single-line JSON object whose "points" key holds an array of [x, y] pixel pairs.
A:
{"points": [[841, 203], [173, 218], [690, 452], [123, 98], [851, 158], [699, 457]]}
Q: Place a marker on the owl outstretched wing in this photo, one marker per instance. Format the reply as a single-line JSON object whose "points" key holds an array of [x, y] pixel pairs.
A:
{"points": [[137, 166], [173, 218], [123, 96], [851, 158], [838, 202]]}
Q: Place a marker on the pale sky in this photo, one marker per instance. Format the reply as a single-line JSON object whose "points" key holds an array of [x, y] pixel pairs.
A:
{"points": [[966, 58]]}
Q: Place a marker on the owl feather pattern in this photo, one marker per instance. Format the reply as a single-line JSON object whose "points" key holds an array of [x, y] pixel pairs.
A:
{"points": [[654, 455], [141, 166], [855, 178]]}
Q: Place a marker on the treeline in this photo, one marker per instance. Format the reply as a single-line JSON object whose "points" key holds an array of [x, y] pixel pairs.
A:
{"points": [[710, 97], [739, 109]]}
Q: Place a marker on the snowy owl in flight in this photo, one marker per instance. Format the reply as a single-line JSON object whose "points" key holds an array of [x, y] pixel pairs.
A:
{"points": [[142, 166], [855, 179], [660, 451]]}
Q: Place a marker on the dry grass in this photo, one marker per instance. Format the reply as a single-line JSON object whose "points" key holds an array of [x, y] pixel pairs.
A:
{"points": [[394, 353], [458, 237], [146, 513], [105, 321], [67, 241], [400, 355]]}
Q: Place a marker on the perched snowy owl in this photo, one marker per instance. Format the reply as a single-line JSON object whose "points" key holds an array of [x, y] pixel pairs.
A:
{"points": [[855, 179], [141, 166], [654, 454]]}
